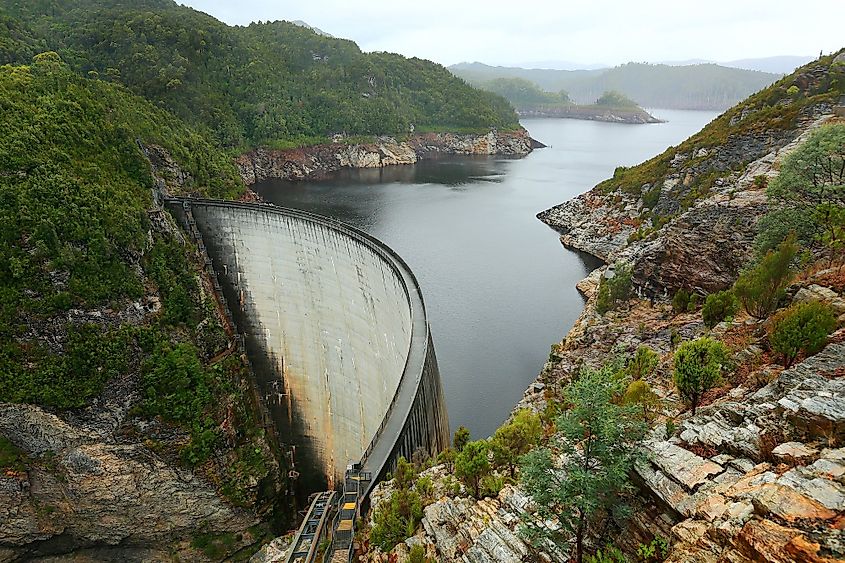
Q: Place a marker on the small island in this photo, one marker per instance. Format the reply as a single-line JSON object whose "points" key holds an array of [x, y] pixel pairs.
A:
{"points": [[531, 101]]}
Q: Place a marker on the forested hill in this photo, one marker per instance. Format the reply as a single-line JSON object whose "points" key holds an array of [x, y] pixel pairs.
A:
{"points": [[703, 86], [272, 84]]}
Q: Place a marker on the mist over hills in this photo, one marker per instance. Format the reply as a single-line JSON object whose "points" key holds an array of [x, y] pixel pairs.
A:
{"points": [[705, 86]]}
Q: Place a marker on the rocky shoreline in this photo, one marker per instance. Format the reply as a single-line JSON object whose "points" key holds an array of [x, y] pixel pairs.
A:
{"points": [[317, 161], [634, 116]]}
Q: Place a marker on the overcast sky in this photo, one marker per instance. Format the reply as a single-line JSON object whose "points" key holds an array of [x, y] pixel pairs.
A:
{"points": [[598, 31]]}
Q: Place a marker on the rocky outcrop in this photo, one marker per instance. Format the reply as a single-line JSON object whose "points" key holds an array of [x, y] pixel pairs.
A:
{"points": [[701, 248], [319, 160], [687, 218], [90, 492], [457, 528], [749, 500], [634, 116]]}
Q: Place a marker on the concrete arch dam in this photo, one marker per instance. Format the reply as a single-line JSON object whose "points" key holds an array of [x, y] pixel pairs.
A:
{"points": [[335, 328]]}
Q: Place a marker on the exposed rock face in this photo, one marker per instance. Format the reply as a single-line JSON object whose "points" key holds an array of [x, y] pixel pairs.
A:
{"points": [[98, 493], [319, 160], [462, 529], [702, 248]]}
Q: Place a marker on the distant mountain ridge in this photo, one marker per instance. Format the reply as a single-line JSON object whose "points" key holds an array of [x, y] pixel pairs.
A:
{"points": [[783, 64], [700, 86]]}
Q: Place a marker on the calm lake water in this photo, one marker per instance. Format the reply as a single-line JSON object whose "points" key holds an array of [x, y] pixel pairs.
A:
{"points": [[499, 287]]}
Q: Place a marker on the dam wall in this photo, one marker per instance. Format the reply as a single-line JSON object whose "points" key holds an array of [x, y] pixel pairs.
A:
{"points": [[335, 328]]}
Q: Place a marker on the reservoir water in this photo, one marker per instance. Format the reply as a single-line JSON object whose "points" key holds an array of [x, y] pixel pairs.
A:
{"points": [[499, 287]]}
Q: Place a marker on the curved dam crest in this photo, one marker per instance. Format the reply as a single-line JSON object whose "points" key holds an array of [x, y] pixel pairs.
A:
{"points": [[335, 327]]}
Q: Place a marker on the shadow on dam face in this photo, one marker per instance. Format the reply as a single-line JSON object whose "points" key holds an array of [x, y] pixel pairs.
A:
{"points": [[335, 328]]}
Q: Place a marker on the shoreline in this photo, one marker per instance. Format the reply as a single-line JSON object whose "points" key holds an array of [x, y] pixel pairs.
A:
{"points": [[318, 161]]}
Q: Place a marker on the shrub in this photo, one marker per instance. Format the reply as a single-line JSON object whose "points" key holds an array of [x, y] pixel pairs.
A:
{"points": [[610, 554], [643, 363], [693, 303], [461, 438], [472, 464], [698, 366], [491, 485], [417, 554], [680, 302], [803, 327], [640, 393], [515, 438], [396, 519], [718, 307], [762, 287], [615, 289]]}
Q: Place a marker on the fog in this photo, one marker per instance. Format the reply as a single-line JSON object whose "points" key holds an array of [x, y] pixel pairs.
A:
{"points": [[584, 33]]}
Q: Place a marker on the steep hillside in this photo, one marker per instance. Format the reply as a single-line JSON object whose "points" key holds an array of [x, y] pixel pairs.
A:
{"points": [[701, 194], [703, 86], [271, 84], [125, 417]]}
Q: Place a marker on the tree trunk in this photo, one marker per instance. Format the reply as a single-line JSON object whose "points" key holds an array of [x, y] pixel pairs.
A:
{"points": [[579, 541]]}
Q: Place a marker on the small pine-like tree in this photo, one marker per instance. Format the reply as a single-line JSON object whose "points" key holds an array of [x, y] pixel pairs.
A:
{"points": [[803, 327], [718, 307], [698, 366], [460, 439], [762, 287], [472, 464], [639, 393], [596, 442], [680, 302], [396, 518], [643, 363], [515, 438], [615, 289]]}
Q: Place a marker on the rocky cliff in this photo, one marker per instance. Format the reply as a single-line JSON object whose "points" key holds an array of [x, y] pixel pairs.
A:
{"points": [[687, 218], [319, 160]]}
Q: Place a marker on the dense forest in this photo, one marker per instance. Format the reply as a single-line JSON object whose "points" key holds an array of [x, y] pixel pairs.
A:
{"points": [[272, 84], [703, 86], [526, 96]]}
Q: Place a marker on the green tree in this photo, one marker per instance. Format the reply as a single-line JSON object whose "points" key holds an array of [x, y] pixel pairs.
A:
{"points": [[597, 441], [614, 288], [472, 464], [761, 288], [809, 194], [461, 438], [718, 307], [643, 363], [640, 393], [698, 366], [680, 302], [614, 99], [803, 327], [515, 438], [395, 519]]}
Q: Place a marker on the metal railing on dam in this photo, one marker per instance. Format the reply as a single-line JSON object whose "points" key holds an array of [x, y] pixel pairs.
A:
{"points": [[335, 328]]}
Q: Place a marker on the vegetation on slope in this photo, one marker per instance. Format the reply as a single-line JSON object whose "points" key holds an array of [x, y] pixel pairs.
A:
{"points": [[272, 83], [704, 86], [716, 150], [80, 259], [526, 96]]}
